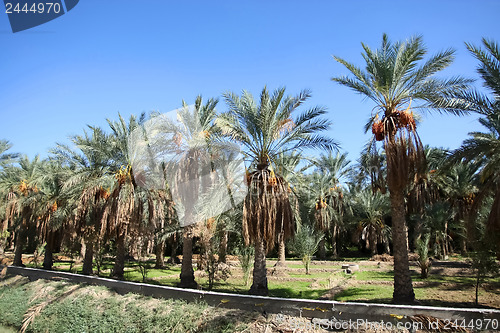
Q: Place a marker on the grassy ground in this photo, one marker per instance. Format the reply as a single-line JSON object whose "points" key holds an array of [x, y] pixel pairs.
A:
{"points": [[54, 306], [450, 285]]}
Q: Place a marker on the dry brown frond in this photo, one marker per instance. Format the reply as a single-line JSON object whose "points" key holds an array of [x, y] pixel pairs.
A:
{"points": [[266, 210]]}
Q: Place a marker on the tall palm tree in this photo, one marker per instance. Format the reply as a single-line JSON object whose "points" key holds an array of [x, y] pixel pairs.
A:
{"points": [[265, 129], [333, 169], [5, 160], [285, 165], [426, 190], [18, 185], [54, 207], [369, 211], [325, 197], [393, 78], [484, 147], [459, 184], [127, 204], [370, 169], [87, 183], [190, 169]]}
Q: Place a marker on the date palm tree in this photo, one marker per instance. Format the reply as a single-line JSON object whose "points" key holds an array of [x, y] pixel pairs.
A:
{"points": [[285, 165], [54, 207], [6, 159], [124, 212], [87, 184], [190, 169], [18, 186], [484, 147], [329, 206], [265, 129], [369, 212], [395, 75]]}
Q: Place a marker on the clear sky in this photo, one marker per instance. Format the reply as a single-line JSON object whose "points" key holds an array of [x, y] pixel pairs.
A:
{"points": [[108, 56]]}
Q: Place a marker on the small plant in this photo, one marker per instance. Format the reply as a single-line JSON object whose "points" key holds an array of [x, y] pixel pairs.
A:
{"points": [[305, 244], [246, 257], [209, 261], [423, 256], [144, 268], [4, 235], [72, 253], [99, 258], [142, 261], [39, 252], [484, 264]]}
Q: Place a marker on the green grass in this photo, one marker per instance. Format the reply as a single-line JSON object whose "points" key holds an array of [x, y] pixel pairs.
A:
{"points": [[96, 309], [301, 266], [295, 289], [371, 294], [312, 275], [14, 302], [374, 275], [7, 329]]}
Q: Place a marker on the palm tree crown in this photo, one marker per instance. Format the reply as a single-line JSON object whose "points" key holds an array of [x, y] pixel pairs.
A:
{"points": [[268, 128]]}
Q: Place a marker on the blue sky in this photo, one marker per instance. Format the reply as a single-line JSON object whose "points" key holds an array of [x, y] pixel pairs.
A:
{"points": [[106, 56]]}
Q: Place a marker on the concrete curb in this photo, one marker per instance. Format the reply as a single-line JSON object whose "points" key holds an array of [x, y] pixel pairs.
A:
{"points": [[320, 309]]}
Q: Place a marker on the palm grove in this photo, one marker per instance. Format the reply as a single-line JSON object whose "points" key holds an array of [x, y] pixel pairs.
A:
{"points": [[85, 198]]}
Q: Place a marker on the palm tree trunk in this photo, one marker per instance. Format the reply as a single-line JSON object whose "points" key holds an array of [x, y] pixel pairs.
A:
{"points": [[281, 251], [48, 259], [88, 257], [334, 242], [403, 288], [119, 267], [373, 240], [134, 247], [160, 256], [387, 248], [223, 247], [259, 285], [446, 242], [187, 272], [493, 224], [173, 250], [322, 249], [20, 241]]}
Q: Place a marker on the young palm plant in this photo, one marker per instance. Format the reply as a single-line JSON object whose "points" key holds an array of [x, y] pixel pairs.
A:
{"points": [[265, 129], [393, 78]]}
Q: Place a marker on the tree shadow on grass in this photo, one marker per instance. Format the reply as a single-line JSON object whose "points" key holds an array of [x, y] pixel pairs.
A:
{"points": [[293, 293], [449, 304], [230, 321]]}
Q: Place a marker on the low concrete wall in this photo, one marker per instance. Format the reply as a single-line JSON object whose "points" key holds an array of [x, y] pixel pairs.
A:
{"points": [[293, 307]]}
